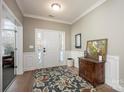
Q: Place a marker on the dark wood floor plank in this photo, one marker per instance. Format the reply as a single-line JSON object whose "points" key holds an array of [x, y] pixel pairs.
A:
{"points": [[22, 83]]}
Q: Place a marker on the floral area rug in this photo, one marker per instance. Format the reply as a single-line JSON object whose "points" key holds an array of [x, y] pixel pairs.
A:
{"points": [[59, 79]]}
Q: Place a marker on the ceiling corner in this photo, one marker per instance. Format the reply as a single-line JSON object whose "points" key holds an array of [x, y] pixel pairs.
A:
{"points": [[93, 7], [20, 7]]}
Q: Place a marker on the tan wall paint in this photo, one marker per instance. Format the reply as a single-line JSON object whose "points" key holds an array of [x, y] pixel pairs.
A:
{"points": [[31, 24], [107, 21], [15, 9]]}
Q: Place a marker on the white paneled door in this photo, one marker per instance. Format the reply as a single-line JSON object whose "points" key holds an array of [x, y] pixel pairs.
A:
{"points": [[49, 48]]}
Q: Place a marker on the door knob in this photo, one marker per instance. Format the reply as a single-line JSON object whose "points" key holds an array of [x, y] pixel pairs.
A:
{"points": [[44, 50]]}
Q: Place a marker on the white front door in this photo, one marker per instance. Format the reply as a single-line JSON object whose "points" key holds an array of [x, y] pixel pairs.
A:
{"points": [[48, 48]]}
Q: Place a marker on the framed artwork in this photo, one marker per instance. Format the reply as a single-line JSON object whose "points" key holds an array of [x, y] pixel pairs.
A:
{"points": [[97, 47], [78, 40]]}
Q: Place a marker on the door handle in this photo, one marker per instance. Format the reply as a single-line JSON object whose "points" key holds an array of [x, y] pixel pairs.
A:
{"points": [[44, 50]]}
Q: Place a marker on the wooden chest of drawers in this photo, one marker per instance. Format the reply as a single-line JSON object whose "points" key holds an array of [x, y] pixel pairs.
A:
{"points": [[92, 71]]}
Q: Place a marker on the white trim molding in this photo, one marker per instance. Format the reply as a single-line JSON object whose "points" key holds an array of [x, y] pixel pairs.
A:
{"points": [[75, 55], [90, 9], [112, 71], [19, 41], [11, 13], [20, 7], [29, 61], [19, 52], [120, 88], [0, 47], [47, 19], [97, 4]]}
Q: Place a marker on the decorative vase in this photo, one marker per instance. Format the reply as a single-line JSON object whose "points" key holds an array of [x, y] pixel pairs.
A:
{"points": [[100, 58]]}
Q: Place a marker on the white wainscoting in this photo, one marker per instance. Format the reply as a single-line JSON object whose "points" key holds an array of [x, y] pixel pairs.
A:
{"points": [[75, 55], [67, 55], [29, 61], [112, 72], [111, 66]]}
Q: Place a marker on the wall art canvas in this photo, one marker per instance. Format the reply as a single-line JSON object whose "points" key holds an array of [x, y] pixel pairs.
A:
{"points": [[96, 48]]}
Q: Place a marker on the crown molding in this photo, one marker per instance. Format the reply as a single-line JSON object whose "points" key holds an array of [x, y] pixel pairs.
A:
{"points": [[20, 7], [93, 7], [11, 13], [97, 4], [47, 19], [40, 17]]}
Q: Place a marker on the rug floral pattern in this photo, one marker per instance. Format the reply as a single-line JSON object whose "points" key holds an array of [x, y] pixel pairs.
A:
{"points": [[59, 79]]}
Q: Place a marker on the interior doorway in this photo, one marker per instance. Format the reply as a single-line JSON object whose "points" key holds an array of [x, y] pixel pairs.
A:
{"points": [[11, 47], [49, 48], [8, 34]]}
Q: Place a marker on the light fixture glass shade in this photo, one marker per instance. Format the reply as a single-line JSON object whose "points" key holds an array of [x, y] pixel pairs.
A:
{"points": [[56, 6]]}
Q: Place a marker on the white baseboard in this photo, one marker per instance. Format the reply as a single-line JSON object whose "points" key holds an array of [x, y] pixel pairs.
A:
{"points": [[120, 88]]}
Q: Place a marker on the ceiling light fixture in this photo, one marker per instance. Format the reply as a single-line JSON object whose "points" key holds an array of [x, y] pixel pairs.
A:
{"points": [[56, 6]]}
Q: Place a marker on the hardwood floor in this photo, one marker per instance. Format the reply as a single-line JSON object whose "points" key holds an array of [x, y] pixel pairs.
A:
{"points": [[24, 83]]}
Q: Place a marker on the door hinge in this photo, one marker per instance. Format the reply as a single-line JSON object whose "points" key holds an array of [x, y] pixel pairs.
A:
{"points": [[15, 31], [15, 67]]}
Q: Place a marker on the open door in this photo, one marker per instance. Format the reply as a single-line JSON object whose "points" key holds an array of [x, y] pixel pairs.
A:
{"points": [[8, 33]]}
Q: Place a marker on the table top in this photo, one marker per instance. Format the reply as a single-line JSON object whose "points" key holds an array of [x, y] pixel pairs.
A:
{"points": [[91, 60]]}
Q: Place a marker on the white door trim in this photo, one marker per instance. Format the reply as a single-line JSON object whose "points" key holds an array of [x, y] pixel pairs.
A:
{"points": [[11, 13], [19, 56], [0, 46], [19, 42]]}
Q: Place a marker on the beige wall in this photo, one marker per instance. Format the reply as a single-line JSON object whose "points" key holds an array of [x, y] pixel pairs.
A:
{"points": [[15, 9], [107, 21], [31, 24]]}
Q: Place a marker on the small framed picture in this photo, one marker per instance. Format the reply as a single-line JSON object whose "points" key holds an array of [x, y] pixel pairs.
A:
{"points": [[78, 40]]}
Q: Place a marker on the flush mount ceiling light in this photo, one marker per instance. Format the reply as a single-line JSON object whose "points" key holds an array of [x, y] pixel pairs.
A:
{"points": [[56, 6]]}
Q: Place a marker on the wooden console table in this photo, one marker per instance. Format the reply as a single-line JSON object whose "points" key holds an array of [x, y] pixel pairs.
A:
{"points": [[92, 70]]}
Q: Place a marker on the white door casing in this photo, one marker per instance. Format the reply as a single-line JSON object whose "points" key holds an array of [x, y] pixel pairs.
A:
{"points": [[50, 48], [19, 41], [19, 45], [0, 46]]}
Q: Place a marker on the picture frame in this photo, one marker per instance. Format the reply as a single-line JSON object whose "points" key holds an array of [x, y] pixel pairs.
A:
{"points": [[78, 41], [96, 48]]}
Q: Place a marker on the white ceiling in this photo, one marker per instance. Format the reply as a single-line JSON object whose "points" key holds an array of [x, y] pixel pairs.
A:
{"points": [[71, 10]]}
